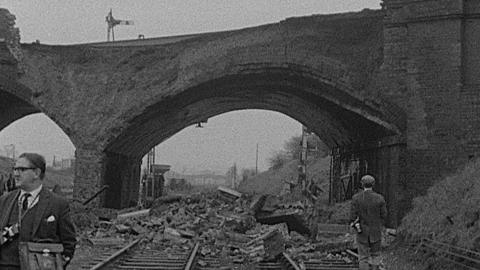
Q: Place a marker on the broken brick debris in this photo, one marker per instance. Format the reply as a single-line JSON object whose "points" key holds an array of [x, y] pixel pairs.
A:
{"points": [[292, 218], [257, 203], [324, 228], [105, 213], [228, 225], [228, 194]]}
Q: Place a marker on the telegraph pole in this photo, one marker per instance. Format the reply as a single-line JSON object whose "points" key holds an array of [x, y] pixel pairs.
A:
{"points": [[143, 178], [234, 175], [256, 161], [302, 177], [150, 160]]}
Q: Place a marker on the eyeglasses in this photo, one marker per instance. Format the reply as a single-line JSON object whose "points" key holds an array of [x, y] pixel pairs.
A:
{"points": [[22, 169]]}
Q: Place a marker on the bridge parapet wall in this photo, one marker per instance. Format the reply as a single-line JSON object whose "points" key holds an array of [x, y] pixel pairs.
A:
{"points": [[428, 10], [404, 10]]}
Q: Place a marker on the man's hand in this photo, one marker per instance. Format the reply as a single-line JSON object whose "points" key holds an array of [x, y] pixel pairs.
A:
{"points": [[66, 260]]}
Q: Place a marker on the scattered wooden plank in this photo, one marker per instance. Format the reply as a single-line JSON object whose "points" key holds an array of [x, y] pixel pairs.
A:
{"points": [[135, 214], [229, 191]]}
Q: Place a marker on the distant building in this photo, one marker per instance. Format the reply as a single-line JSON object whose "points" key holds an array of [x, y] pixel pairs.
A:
{"points": [[64, 163], [206, 179], [200, 179], [68, 163]]}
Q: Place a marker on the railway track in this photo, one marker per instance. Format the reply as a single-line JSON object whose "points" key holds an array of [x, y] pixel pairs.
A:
{"points": [[285, 262], [129, 257], [330, 264], [461, 257], [333, 263]]}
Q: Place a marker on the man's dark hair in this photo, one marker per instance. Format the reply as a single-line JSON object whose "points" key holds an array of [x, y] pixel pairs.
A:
{"points": [[37, 161]]}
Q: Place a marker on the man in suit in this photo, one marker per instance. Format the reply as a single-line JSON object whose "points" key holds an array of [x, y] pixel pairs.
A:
{"points": [[40, 214], [370, 209]]}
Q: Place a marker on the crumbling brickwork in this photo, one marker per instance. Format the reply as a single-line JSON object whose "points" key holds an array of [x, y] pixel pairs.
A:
{"points": [[431, 59], [118, 100], [89, 167]]}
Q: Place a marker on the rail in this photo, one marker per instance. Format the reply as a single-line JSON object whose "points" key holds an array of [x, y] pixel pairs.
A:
{"points": [[129, 258], [115, 255], [286, 262], [191, 258], [148, 259], [292, 263], [469, 259]]}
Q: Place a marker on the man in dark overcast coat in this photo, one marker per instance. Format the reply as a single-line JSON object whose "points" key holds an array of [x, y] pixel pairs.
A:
{"points": [[370, 209]]}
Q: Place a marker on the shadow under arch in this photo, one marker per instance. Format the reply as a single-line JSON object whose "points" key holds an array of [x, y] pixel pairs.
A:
{"points": [[15, 102], [335, 116]]}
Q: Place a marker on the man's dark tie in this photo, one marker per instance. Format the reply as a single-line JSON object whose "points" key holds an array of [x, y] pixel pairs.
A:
{"points": [[25, 201]]}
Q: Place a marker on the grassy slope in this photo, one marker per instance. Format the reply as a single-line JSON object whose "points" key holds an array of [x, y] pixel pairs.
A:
{"points": [[450, 210], [271, 182]]}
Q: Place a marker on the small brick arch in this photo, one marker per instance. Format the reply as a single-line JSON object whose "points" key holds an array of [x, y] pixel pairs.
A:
{"points": [[16, 101]]}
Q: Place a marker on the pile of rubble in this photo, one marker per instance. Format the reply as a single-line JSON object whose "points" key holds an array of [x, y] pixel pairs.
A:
{"points": [[229, 225]]}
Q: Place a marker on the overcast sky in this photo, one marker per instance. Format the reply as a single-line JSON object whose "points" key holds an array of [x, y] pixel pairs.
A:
{"points": [[225, 139]]}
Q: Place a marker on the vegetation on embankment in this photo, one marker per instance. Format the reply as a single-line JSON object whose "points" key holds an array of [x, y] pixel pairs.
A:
{"points": [[450, 211], [284, 169], [274, 181]]}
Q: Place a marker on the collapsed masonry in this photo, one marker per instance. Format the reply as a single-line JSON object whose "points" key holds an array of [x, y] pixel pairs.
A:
{"points": [[241, 229]]}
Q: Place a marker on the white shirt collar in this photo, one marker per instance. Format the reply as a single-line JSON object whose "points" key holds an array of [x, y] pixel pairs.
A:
{"points": [[366, 189], [34, 192]]}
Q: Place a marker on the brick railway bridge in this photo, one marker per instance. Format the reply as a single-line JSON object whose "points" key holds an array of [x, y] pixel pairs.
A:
{"points": [[394, 92]]}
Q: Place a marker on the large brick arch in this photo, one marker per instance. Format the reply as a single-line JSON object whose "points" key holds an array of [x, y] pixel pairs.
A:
{"points": [[303, 93], [141, 95], [331, 58], [327, 107]]}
